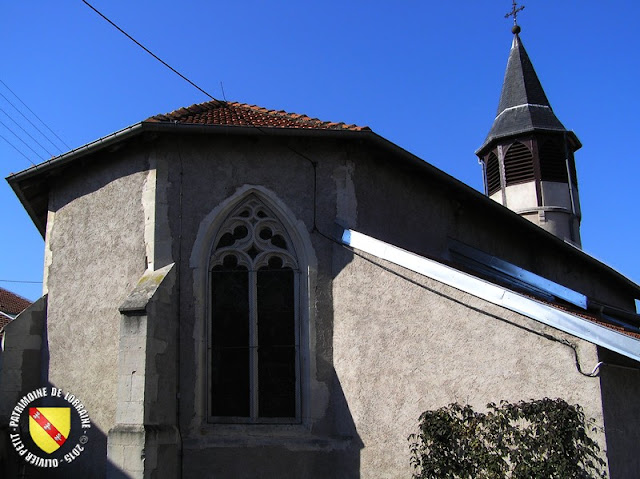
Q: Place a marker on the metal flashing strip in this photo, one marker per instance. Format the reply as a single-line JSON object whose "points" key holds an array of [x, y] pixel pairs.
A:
{"points": [[520, 274], [569, 323], [522, 105]]}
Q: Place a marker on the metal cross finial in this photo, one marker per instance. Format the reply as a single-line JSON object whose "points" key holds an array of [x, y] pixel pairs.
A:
{"points": [[514, 12]]}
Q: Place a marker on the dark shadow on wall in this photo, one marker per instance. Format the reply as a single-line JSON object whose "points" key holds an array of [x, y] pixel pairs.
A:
{"points": [[620, 391], [83, 467], [25, 369], [325, 447], [299, 453]]}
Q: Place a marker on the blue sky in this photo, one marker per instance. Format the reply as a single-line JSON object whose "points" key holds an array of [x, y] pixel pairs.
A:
{"points": [[426, 75]]}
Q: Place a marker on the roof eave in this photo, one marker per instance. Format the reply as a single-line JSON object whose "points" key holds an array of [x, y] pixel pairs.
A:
{"points": [[76, 153], [146, 126], [492, 140], [368, 134], [16, 180]]}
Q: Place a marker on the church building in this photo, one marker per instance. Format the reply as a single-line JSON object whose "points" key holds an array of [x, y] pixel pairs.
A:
{"points": [[237, 292]]}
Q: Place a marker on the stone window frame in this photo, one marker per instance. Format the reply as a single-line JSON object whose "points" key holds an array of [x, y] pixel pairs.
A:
{"points": [[240, 238], [199, 264]]}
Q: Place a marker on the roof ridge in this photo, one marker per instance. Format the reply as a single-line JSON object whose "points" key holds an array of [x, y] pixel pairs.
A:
{"points": [[297, 116], [232, 113]]}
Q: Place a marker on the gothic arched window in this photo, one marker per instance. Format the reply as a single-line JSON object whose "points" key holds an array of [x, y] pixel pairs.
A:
{"points": [[254, 334]]}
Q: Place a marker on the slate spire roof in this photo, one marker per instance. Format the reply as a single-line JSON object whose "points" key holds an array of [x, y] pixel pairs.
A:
{"points": [[523, 105]]}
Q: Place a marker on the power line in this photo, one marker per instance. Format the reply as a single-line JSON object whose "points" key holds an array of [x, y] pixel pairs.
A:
{"points": [[149, 51], [30, 122], [23, 142], [27, 133], [15, 148], [223, 103], [17, 281], [39, 119]]}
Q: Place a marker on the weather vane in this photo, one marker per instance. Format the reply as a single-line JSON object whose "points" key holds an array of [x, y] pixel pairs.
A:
{"points": [[514, 13]]}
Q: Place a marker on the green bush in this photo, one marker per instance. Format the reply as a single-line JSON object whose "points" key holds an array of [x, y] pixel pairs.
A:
{"points": [[545, 438]]}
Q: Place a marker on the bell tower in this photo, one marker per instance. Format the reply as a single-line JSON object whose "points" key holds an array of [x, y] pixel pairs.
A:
{"points": [[527, 157]]}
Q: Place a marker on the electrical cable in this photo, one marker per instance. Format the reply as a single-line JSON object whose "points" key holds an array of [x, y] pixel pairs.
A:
{"points": [[23, 142], [26, 132], [333, 240], [39, 119], [16, 148], [17, 281], [26, 118], [564, 342], [150, 52]]}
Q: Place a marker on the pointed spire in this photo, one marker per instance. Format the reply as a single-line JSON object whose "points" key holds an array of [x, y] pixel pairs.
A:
{"points": [[523, 105], [521, 85], [527, 157]]}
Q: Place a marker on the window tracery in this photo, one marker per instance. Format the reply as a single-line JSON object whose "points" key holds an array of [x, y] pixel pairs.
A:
{"points": [[254, 353]]}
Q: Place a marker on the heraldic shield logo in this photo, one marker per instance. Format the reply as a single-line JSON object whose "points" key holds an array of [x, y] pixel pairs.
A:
{"points": [[49, 427]]}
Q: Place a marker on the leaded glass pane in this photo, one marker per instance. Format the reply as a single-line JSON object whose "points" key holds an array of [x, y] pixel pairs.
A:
{"points": [[230, 373], [276, 340]]}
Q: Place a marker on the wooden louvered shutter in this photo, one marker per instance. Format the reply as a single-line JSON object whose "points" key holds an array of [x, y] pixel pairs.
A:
{"points": [[553, 166], [493, 173], [518, 164]]}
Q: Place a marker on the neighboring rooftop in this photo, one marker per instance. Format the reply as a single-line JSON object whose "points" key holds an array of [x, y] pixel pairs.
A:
{"points": [[11, 304], [240, 114]]}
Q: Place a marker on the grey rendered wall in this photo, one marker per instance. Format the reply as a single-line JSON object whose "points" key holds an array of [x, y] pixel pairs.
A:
{"points": [[416, 211], [376, 344], [401, 348], [22, 359], [212, 170], [620, 380], [23, 354], [95, 253], [381, 351]]}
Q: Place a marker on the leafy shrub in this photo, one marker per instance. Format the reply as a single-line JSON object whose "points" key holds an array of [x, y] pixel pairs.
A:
{"points": [[546, 438]]}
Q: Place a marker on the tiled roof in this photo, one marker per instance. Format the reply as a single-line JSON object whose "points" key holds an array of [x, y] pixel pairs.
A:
{"points": [[11, 303], [4, 320], [240, 114], [594, 318]]}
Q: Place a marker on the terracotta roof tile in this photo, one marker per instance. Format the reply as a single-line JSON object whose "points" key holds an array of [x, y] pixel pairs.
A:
{"points": [[4, 320], [593, 317], [11, 303], [241, 114]]}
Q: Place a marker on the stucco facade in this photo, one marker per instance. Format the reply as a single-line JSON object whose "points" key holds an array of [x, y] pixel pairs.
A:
{"points": [[129, 235]]}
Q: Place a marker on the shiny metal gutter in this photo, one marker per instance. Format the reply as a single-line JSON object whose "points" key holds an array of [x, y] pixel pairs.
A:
{"points": [[564, 321], [520, 274]]}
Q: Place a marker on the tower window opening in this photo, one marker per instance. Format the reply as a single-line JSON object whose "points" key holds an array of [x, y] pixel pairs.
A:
{"points": [[493, 173], [518, 164], [553, 166]]}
